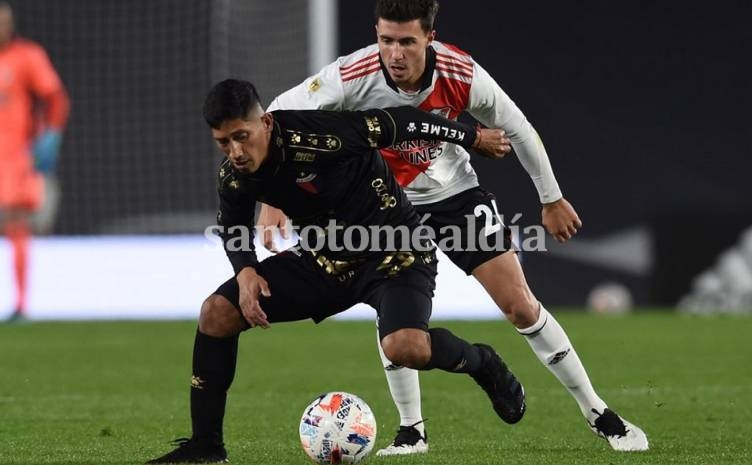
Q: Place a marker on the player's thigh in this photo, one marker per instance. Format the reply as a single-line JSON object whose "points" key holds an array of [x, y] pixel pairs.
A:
{"points": [[402, 308], [21, 188], [404, 300], [298, 291], [468, 228]]}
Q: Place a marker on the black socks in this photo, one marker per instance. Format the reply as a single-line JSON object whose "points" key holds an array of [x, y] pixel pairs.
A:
{"points": [[214, 361], [450, 353]]}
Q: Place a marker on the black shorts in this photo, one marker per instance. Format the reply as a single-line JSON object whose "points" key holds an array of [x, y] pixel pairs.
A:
{"points": [[398, 285], [482, 235]]}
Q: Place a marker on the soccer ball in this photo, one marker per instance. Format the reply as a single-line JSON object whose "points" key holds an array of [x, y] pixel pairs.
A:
{"points": [[337, 427], [610, 297]]}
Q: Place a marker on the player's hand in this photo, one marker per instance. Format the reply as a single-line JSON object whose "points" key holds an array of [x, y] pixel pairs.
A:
{"points": [[251, 284], [269, 219], [560, 220], [45, 149], [492, 143]]}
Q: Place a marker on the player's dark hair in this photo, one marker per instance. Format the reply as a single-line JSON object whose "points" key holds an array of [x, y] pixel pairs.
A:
{"points": [[403, 11], [228, 100]]}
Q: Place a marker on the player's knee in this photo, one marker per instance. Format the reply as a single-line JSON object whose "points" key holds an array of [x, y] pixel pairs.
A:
{"points": [[219, 318], [521, 309], [407, 347]]}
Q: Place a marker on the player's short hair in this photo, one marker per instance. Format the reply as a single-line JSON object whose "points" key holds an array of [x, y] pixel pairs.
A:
{"points": [[228, 100], [407, 10]]}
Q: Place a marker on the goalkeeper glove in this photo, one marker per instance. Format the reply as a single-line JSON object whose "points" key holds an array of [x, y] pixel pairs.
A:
{"points": [[46, 148]]}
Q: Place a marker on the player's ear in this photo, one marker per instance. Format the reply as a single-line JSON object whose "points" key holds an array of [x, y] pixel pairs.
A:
{"points": [[267, 119], [430, 36]]}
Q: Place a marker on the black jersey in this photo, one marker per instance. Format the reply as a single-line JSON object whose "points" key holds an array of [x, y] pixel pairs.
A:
{"points": [[324, 170]]}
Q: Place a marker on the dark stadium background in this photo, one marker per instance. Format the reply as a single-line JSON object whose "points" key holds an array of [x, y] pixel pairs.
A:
{"points": [[644, 108]]}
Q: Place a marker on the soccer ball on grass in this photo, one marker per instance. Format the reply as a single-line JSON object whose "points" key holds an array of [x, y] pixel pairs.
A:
{"points": [[337, 427]]}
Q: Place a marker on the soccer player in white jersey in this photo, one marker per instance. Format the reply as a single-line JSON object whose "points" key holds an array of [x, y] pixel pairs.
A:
{"points": [[408, 67]]}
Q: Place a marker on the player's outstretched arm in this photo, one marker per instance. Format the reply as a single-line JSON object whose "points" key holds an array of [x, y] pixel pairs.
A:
{"points": [[561, 219], [409, 123]]}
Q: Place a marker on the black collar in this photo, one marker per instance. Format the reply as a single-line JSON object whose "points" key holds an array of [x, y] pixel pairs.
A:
{"points": [[427, 73]]}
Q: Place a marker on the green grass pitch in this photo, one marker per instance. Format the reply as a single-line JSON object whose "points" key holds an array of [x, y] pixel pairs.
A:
{"points": [[116, 393]]}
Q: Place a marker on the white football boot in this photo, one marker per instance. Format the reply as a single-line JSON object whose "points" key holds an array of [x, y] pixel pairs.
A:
{"points": [[408, 441], [620, 434]]}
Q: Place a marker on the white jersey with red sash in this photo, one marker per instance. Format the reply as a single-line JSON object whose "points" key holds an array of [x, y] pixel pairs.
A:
{"points": [[429, 171]]}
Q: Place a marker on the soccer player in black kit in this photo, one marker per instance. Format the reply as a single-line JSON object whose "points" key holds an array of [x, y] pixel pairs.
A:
{"points": [[323, 168]]}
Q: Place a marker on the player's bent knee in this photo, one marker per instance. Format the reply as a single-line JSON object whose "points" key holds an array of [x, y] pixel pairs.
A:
{"points": [[407, 347], [522, 311], [219, 318]]}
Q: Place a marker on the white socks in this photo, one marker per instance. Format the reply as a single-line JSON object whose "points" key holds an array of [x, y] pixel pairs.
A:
{"points": [[550, 344], [552, 347], [405, 388]]}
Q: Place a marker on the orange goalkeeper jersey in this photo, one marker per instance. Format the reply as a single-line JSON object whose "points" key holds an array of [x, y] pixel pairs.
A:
{"points": [[26, 73]]}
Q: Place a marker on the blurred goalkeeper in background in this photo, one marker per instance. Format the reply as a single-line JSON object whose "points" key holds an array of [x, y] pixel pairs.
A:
{"points": [[408, 67], [33, 112]]}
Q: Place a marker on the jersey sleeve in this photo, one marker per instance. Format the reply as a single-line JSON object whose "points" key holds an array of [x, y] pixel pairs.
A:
{"points": [[381, 128], [490, 105], [235, 218], [409, 123], [340, 134], [363, 131], [41, 76], [322, 91], [44, 82]]}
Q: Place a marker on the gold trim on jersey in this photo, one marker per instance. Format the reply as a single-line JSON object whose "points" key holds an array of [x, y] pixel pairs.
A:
{"points": [[395, 262], [318, 142], [336, 267], [374, 131], [304, 156], [224, 171]]}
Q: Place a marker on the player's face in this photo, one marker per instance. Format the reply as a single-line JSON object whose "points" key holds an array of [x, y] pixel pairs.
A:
{"points": [[6, 25], [245, 142], [403, 50]]}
